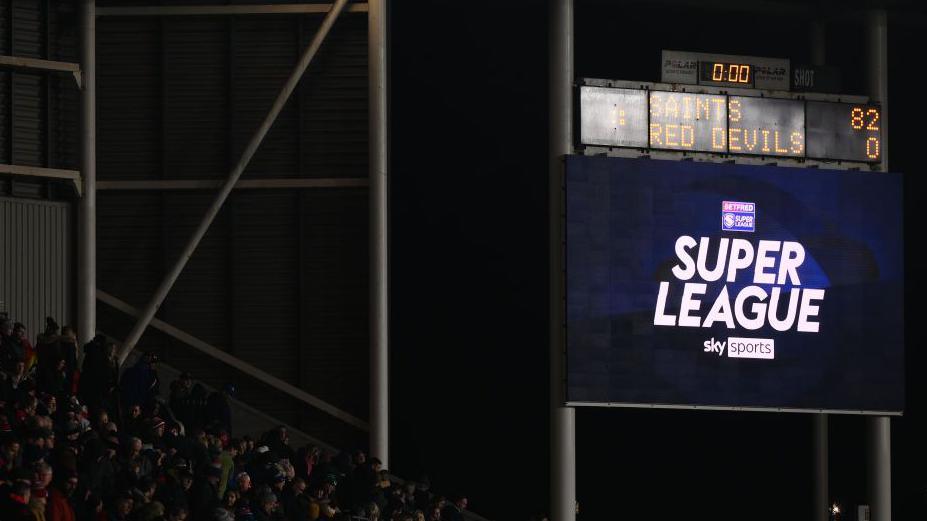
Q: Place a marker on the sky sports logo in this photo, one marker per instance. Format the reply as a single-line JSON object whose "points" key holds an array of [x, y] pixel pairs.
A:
{"points": [[738, 216], [736, 347]]}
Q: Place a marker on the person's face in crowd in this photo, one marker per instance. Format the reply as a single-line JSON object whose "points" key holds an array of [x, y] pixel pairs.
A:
{"points": [[70, 485], [299, 487], [419, 516], [20, 368], [19, 332], [284, 436], [102, 419], [52, 405], [11, 450], [60, 365], [6, 329], [42, 478], [186, 482], [124, 506], [231, 497], [50, 441], [360, 458], [244, 483], [435, 514], [179, 516], [135, 411], [270, 505], [462, 503], [136, 446]]}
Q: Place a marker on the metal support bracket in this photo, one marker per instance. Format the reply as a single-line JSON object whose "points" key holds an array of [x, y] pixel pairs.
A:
{"points": [[36, 64], [38, 171]]}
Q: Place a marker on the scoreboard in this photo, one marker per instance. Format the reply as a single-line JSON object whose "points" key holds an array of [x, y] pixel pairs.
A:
{"points": [[726, 123]]}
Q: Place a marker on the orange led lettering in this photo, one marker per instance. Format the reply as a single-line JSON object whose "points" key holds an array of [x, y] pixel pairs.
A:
{"points": [[744, 74], [687, 130], [669, 135], [779, 150], [717, 72], [732, 143], [654, 105], [856, 118], [765, 140], [655, 131], [699, 107], [796, 143], [747, 144], [717, 138], [671, 105], [872, 148], [734, 111], [719, 105], [874, 114]]}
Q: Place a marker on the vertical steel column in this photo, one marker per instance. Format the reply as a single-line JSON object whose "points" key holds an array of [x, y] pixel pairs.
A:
{"points": [[879, 427], [562, 419], [821, 499], [152, 307], [87, 209], [379, 230]]}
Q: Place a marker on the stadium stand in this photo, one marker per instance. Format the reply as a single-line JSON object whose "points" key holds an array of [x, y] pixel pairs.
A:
{"points": [[82, 440]]}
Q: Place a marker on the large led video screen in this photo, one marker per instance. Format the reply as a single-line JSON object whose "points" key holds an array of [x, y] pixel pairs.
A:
{"points": [[733, 286]]}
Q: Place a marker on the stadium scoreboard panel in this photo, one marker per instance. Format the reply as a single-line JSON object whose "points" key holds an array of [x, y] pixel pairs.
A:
{"points": [[724, 123]]}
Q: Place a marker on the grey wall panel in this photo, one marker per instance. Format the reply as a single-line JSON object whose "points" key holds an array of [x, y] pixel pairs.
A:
{"points": [[35, 253]]}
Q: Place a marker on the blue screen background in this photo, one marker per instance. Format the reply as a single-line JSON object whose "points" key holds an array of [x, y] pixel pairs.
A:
{"points": [[623, 217]]}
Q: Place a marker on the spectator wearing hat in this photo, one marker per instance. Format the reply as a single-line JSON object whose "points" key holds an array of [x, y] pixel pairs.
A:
{"points": [[267, 507]]}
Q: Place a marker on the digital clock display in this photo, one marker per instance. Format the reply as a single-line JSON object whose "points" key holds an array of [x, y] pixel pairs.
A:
{"points": [[726, 74], [726, 124]]}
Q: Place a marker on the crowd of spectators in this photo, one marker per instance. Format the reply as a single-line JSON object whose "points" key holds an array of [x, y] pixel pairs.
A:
{"points": [[80, 442]]}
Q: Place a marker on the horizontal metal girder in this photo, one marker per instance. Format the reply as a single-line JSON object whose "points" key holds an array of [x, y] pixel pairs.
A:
{"points": [[204, 184], [209, 10]]}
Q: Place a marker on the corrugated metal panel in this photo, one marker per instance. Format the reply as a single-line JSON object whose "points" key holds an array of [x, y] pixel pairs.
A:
{"points": [[280, 279], [129, 98], [39, 111], [35, 276]]}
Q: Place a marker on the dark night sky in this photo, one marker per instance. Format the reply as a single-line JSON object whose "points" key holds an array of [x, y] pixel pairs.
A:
{"points": [[469, 273]]}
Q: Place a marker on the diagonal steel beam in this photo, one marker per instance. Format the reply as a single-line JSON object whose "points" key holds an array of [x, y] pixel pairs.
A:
{"points": [[158, 298], [237, 363]]}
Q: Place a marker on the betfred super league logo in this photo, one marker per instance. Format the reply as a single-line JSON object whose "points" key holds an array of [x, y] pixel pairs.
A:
{"points": [[738, 216]]}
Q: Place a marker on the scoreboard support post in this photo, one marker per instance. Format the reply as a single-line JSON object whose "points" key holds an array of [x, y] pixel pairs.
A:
{"points": [[821, 463], [879, 427], [562, 418]]}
